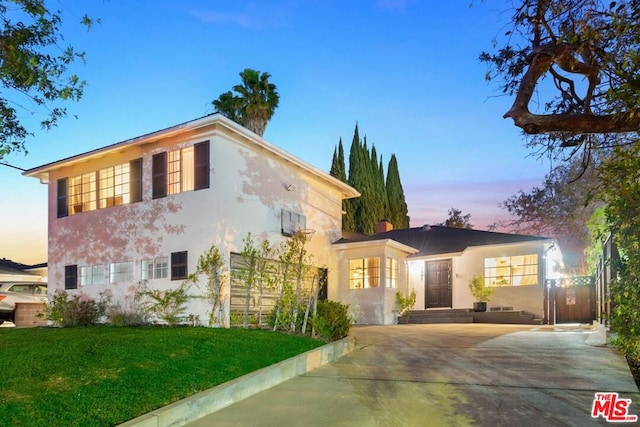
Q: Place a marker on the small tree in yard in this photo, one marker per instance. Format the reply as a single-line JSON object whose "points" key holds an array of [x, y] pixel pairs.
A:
{"points": [[211, 265], [296, 282]]}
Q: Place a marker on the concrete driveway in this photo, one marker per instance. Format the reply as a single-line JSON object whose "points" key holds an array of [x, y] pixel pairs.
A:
{"points": [[448, 375]]}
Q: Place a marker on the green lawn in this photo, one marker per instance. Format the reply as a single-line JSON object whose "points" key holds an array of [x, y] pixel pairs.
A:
{"points": [[102, 376]]}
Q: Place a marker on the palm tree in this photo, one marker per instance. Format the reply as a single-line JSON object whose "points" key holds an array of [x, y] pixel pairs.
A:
{"points": [[254, 101]]}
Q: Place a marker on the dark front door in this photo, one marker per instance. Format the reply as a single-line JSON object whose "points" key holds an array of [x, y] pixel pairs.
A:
{"points": [[438, 284]]}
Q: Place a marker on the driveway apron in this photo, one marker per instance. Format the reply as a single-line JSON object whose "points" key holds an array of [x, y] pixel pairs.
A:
{"points": [[448, 375]]}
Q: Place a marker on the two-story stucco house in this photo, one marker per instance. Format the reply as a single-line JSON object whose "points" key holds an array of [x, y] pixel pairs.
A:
{"points": [[148, 207]]}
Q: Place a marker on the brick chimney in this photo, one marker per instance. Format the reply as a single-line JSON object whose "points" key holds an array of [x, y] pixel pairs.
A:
{"points": [[383, 226]]}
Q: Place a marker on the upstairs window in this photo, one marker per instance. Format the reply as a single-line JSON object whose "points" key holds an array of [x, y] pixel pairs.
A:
{"points": [[177, 171], [111, 186], [180, 172], [82, 193], [114, 185]]}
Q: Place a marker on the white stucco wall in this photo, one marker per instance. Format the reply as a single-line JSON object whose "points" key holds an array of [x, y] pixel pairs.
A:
{"points": [[368, 306], [465, 265], [248, 190]]}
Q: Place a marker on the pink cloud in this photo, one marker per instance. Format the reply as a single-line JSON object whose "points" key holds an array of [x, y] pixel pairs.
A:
{"points": [[430, 203]]}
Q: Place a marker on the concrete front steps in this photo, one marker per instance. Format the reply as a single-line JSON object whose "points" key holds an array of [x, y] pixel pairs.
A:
{"points": [[458, 315]]}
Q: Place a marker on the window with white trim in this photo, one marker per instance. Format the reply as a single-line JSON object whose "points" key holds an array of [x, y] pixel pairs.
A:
{"points": [[114, 185], [155, 268], [391, 272], [121, 272], [181, 170], [364, 273], [93, 275], [518, 270], [111, 186], [82, 193]]}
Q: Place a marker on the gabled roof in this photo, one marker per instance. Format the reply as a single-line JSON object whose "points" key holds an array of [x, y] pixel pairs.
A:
{"points": [[42, 172], [437, 239]]}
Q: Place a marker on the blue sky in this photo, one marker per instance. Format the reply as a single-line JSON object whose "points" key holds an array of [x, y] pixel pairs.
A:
{"points": [[406, 71]]}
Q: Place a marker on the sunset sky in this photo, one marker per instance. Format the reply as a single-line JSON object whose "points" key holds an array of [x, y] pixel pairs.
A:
{"points": [[406, 71]]}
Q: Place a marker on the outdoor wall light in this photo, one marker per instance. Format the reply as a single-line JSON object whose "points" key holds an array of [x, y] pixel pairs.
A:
{"points": [[291, 187]]}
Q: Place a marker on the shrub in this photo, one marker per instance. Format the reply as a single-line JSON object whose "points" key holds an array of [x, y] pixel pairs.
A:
{"points": [[128, 309], [76, 310], [405, 304], [167, 305], [332, 320]]}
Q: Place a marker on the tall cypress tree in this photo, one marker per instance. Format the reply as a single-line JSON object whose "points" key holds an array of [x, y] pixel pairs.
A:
{"points": [[380, 199], [367, 212], [398, 211], [379, 193], [338, 170], [382, 191], [357, 179]]}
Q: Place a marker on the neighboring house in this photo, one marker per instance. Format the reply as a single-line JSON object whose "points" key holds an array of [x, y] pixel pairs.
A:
{"points": [[16, 272], [438, 262], [148, 207]]}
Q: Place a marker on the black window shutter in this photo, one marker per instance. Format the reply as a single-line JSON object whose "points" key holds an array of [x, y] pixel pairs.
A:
{"points": [[201, 165], [71, 277], [63, 207], [159, 173], [178, 265], [135, 180]]}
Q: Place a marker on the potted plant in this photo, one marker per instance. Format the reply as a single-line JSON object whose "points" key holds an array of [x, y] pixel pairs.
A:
{"points": [[405, 305], [480, 292]]}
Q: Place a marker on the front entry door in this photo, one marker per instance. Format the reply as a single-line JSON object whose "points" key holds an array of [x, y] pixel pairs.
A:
{"points": [[438, 284]]}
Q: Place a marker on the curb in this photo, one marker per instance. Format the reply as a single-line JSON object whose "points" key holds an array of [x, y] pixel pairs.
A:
{"points": [[206, 402]]}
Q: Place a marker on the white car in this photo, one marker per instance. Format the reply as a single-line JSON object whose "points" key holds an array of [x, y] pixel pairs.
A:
{"points": [[13, 292]]}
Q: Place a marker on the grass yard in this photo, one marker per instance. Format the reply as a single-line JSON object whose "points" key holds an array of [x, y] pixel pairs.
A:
{"points": [[102, 376]]}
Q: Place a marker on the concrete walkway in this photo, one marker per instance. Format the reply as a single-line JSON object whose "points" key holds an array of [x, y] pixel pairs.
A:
{"points": [[447, 375]]}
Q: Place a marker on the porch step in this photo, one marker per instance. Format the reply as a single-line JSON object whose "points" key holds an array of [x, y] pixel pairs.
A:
{"points": [[441, 316], [469, 316], [507, 317]]}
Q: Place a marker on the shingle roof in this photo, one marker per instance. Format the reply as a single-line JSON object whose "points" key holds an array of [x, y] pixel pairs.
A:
{"points": [[436, 239], [11, 267]]}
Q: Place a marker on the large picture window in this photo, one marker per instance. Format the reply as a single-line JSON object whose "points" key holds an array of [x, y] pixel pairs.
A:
{"points": [[364, 273], [518, 270]]}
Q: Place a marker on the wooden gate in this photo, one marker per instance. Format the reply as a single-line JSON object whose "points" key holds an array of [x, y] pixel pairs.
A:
{"points": [[571, 300]]}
